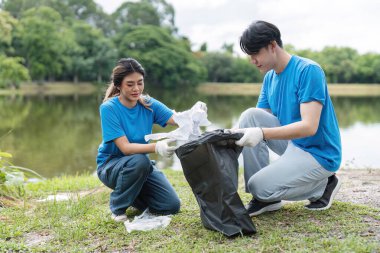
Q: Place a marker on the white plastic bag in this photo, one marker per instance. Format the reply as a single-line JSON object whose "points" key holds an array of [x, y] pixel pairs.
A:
{"points": [[147, 221], [189, 123]]}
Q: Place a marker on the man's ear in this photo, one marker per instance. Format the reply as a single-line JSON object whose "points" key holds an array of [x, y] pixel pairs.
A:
{"points": [[273, 44]]}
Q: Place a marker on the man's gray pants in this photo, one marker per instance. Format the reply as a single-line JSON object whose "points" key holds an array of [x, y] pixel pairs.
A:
{"points": [[296, 175]]}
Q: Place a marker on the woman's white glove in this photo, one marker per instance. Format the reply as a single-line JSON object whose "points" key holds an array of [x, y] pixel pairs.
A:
{"points": [[163, 149], [252, 136]]}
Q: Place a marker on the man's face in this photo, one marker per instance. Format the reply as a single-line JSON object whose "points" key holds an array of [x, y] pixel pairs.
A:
{"points": [[264, 59]]}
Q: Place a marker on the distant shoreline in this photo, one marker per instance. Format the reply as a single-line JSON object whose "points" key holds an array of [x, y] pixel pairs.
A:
{"points": [[211, 89], [52, 88], [253, 89]]}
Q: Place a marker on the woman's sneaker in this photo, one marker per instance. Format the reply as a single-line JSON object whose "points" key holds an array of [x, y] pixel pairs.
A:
{"points": [[119, 218], [324, 203], [256, 207]]}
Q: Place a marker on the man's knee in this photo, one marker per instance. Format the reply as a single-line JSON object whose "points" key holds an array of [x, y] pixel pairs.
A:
{"points": [[259, 188], [249, 118]]}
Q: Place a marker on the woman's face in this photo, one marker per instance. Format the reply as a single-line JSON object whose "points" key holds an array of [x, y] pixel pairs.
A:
{"points": [[131, 88]]}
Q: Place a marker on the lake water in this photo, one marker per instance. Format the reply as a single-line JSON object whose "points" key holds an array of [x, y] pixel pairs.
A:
{"points": [[59, 135]]}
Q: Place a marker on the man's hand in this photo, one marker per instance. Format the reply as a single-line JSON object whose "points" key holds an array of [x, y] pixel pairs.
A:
{"points": [[163, 149], [252, 136]]}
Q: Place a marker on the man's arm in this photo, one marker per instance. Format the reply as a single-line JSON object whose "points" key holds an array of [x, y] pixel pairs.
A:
{"points": [[308, 126]]}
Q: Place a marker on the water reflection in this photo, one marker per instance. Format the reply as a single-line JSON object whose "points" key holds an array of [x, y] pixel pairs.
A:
{"points": [[60, 135]]}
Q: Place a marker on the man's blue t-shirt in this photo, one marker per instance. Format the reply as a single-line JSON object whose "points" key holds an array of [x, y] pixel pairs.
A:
{"points": [[118, 120], [304, 81]]}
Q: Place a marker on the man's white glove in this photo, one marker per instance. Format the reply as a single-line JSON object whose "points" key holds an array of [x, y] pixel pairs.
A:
{"points": [[252, 136], [163, 149]]}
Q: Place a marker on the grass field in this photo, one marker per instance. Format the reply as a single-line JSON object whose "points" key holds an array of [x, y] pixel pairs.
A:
{"points": [[83, 224]]}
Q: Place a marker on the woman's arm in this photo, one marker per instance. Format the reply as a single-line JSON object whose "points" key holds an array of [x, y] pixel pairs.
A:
{"points": [[171, 121], [128, 148]]}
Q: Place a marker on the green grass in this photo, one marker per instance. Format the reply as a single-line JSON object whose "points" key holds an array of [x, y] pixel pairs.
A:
{"points": [[84, 225]]}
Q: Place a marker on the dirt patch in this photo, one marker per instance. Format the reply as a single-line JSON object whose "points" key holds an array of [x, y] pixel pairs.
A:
{"points": [[360, 186], [37, 238]]}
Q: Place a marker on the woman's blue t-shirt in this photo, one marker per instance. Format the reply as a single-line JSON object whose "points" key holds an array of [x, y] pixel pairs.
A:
{"points": [[118, 120], [304, 81]]}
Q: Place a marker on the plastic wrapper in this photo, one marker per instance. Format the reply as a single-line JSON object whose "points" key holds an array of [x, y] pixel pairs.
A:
{"points": [[147, 221]]}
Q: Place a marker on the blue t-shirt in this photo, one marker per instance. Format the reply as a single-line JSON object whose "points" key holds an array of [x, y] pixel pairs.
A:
{"points": [[304, 81], [118, 120]]}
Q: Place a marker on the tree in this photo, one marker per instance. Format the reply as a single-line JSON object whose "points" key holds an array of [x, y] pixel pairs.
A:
{"points": [[219, 66], [203, 47], [339, 64], [7, 24], [93, 55], [243, 71], [224, 67], [43, 39], [86, 10], [12, 72], [145, 12], [167, 60], [228, 48], [368, 68]]}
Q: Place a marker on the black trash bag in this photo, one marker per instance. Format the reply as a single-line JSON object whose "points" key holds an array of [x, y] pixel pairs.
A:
{"points": [[210, 165]]}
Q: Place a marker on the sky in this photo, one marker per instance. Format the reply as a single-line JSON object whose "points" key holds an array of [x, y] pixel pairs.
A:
{"points": [[306, 24]]}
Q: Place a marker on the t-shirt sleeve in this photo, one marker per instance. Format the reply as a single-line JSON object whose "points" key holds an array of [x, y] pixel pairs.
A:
{"points": [[312, 85], [111, 128], [161, 113], [262, 101]]}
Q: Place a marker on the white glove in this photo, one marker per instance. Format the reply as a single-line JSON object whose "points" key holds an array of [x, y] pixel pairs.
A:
{"points": [[163, 149], [252, 136]]}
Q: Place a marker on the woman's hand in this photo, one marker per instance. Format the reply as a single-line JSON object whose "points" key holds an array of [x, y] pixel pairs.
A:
{"points": [[163, 149]]}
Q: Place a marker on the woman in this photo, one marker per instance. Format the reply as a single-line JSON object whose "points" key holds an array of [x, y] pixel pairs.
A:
{"points": [[123, 164]]}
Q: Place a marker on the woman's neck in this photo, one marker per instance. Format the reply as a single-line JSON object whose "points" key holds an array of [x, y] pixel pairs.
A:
{"points": [[127, 103]]}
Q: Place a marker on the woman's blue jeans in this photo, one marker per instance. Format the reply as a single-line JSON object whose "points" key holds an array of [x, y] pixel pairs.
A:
{"points": [[137, 182]]}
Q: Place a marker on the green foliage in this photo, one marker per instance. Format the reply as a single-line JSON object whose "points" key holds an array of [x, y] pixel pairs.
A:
{"points": [[7, 24], [145, 12], [43, 40], [71, 40], [12, 72], [224, 67], [93, 54], [166, 59], [12, 178]]}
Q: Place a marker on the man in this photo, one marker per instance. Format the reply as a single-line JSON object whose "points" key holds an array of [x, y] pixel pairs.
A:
{"points": [[295, 118]]}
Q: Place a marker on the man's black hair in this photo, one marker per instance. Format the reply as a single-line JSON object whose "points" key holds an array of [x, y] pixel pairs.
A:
{"points": [[258, 35]]}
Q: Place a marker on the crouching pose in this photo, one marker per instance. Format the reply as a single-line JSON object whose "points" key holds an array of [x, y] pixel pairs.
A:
{"points": [[123, 163], [295, 118]]}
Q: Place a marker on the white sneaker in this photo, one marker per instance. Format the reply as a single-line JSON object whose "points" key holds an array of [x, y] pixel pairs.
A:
{"points": [[119, 218]]}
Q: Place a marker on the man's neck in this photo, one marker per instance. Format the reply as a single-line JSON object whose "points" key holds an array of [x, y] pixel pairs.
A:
{"points": [[282, 60]]}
